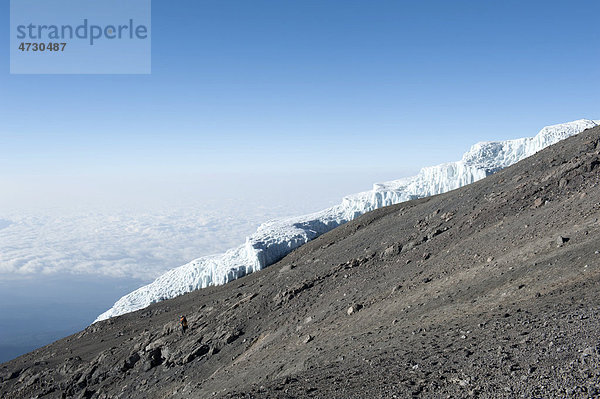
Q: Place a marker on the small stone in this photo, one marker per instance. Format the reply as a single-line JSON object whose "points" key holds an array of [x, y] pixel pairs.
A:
{"points": [[538, 202], [410, 245], [146, 365], [447, 216], [561, 240], [563, 183], [434, 233], [392, 251], [307, 338], [490, 259], [396, 288], [353, 309]]}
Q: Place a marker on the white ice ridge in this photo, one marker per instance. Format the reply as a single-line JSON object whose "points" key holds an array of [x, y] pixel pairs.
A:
{"points": [[275, 239]]}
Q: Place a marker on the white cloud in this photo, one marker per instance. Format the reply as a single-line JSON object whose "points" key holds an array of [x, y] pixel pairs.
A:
{"points": [[138, 244]]}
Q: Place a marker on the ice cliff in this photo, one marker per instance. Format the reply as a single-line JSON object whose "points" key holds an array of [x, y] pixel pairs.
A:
{"points": [[275, 239]]}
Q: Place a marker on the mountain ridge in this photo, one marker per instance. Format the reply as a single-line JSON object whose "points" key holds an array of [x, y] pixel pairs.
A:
{"points": [[491, 290], [275, 239]]}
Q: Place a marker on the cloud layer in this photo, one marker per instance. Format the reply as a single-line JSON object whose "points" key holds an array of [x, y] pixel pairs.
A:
{"points": [[138, 244], [134, 229]]}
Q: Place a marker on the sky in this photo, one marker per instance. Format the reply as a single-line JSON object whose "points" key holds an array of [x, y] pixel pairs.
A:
{"points": [[254, 110], [259, 86]]}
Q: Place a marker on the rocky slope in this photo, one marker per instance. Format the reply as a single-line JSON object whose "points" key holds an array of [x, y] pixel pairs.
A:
{"points": [[491, 290]]}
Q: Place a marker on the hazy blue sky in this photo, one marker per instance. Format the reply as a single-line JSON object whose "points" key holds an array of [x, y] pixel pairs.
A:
{"points": [[263, 86]]}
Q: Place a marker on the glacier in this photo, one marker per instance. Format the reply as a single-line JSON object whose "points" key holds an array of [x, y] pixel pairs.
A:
{"points": [[275, 239]]}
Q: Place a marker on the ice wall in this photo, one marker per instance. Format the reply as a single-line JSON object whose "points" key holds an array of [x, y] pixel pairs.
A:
{"points": [[275, 239]]}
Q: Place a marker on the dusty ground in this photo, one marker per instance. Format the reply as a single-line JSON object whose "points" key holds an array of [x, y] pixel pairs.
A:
{"points": [[492, 290]]}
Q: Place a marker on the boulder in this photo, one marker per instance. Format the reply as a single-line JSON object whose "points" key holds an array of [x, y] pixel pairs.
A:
{"points": [[392, 251], [130, 361], [353, 309]]}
